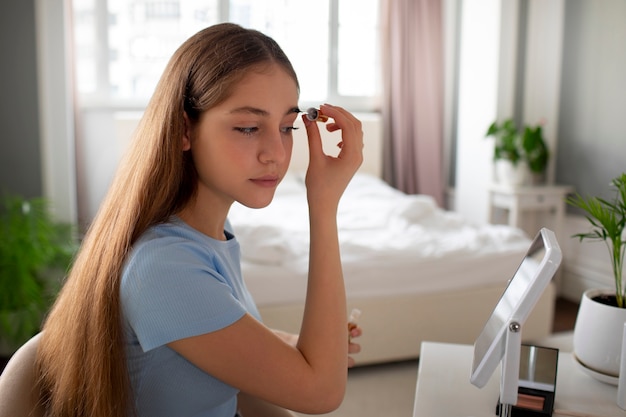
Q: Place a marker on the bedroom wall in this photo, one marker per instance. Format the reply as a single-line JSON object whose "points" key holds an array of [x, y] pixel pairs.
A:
{"points": [[477, 104], [587, 103], [36, 144], [497, 83], [588, 89], [592, 132], [20, 154]]}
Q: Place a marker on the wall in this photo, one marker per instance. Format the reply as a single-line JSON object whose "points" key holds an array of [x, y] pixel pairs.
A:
{"points": [[37, 141], [20, 154], [582, 99], [572, 73], [477, 104], [56, 107], [497, 82], [592, 132]]}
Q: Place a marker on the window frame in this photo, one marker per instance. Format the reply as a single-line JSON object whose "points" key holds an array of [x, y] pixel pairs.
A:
{"points": [[101, 100]]}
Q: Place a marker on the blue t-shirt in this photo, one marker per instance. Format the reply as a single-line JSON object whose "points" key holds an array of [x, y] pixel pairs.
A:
{"points": [[177, 283]]}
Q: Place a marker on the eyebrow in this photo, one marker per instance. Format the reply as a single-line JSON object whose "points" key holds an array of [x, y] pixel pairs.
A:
{"points": [[261, 112]]}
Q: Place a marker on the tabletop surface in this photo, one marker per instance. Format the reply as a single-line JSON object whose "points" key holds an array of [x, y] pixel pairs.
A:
{"points": [[444, 390]]}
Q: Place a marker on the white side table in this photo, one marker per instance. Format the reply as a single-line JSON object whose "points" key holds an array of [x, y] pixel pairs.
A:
{"points": [[525, 202], [444, 390], [549, 198]]}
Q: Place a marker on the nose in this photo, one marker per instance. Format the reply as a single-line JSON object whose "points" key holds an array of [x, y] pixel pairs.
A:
{"points": [[273, 149]]}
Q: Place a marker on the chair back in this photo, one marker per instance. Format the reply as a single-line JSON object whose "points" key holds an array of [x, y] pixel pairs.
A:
{"points": [[18, 394]]}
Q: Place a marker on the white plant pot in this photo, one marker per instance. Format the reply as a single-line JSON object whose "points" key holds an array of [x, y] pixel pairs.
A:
{"points": [[598, 334], [509, 174]]}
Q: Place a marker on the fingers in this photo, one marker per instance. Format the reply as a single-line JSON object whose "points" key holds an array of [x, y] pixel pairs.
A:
{"points": [[356, 331], [327, 175], [313, 135], [352, 349], [343, 120], [351, 144]]}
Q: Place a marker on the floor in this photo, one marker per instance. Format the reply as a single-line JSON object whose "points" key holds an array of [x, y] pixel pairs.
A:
{"points": [[565, 313]]}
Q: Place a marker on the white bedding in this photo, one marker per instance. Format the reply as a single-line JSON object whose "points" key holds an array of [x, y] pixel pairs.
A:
{"points": [[391, 243]]}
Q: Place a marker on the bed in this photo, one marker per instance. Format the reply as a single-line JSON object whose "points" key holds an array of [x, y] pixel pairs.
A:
{"points": [[415, 271]]}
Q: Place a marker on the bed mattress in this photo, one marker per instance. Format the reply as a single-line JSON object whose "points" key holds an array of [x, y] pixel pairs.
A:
{"points": [[391, 243]]}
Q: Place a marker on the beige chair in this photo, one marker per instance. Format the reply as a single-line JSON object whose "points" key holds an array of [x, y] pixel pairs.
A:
{"points": [[18, 396]]}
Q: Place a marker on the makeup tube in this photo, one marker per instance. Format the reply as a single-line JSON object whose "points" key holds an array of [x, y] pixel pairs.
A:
{"points": [[315, 115], [352, 319]]}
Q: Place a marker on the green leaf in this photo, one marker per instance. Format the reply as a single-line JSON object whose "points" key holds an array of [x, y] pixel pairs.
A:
{"points": [[32, 243], [528, 146], [608, 221]]}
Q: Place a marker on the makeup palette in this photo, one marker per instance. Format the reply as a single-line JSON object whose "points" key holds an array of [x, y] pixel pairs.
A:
{"points": [[537, 382]]}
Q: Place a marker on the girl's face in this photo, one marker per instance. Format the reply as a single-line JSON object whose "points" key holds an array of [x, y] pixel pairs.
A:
{"points": [[242, 147]]}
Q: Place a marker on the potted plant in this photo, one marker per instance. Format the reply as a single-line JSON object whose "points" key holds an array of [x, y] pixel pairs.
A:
{"points": [[35, 252], [518, 152], [536, 151], [600, 322]]}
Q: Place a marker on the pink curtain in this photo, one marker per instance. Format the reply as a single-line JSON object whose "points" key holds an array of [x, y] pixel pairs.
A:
{"points": [[412, 108]]}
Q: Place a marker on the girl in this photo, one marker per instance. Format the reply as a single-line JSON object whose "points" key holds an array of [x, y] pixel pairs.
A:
{"points": [[155, 319]]}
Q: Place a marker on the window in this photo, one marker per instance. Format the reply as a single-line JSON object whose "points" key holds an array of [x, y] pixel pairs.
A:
{"points": [[122, 46]]}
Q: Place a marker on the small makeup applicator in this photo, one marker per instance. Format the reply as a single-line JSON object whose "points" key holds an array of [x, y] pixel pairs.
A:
{"points": [[352, 319], [315, 115]]}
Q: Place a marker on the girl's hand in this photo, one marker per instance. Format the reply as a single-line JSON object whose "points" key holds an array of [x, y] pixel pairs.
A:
{"points": [[353, 347], [327, 176]]}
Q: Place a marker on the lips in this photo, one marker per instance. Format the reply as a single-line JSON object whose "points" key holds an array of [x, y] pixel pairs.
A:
{"points": [[266, 181]]}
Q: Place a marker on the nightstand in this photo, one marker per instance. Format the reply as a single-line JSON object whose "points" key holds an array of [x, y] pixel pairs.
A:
{"points": [[526, 201]]}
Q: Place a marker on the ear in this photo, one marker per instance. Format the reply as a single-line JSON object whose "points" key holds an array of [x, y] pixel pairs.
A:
{"points": [[187, 135]]}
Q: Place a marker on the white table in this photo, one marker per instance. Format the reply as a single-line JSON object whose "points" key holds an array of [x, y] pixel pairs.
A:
{"points": [[524, 203], [443, 387], [518, 200]]}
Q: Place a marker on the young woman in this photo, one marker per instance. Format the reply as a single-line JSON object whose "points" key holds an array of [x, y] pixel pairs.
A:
{"points": [[155, 319]]}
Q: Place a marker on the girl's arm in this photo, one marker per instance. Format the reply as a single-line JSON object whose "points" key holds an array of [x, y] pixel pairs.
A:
{"points": [[249, 406], [309, 377]]}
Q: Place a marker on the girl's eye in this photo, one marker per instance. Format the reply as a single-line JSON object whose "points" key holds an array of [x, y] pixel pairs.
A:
{"points": [[253, 130], [288, 129], [247, 130]]}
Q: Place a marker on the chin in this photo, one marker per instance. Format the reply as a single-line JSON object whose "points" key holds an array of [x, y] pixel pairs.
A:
{"points": [[257, 203], [257, 206]]}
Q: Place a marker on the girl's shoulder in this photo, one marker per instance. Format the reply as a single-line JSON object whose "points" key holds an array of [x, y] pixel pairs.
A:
{"points": [[174, 244]]}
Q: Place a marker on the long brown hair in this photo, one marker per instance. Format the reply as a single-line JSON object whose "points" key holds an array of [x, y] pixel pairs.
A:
{"points": [[81, 358]]}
